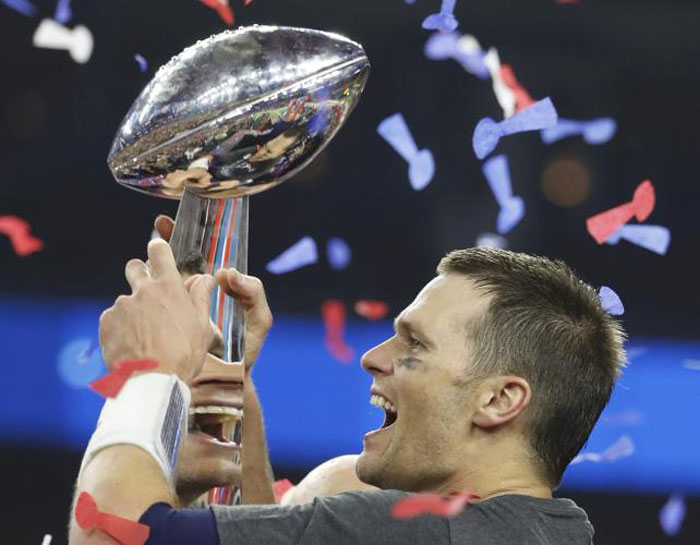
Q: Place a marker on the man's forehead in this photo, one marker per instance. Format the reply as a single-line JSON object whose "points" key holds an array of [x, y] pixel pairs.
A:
{"points": [[446, 301]]}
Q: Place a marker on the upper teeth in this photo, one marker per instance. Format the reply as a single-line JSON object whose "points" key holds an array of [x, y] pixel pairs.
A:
{"points": [[215, 409], [382, 403]]}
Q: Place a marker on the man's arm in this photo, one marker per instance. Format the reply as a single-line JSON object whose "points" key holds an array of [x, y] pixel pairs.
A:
{"points": [[161, 320], [257, 471]]}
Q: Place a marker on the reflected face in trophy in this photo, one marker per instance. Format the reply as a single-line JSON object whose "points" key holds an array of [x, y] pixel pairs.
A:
{"points": [[210, 456], [277, 146]]}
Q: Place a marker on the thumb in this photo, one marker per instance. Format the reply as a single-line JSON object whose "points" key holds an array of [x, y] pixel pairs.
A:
{"points": [[200, 293], [164, 225]]}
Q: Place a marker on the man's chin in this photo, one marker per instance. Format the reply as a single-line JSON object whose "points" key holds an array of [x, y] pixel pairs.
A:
{"points": [[366, 470], [195, 478]]}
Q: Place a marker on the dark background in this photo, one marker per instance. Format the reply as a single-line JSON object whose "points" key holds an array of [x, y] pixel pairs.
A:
{"points": [[636, 61]]}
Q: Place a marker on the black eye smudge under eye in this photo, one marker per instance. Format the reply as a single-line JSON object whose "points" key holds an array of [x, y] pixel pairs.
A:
{"points": [[408, 363]]}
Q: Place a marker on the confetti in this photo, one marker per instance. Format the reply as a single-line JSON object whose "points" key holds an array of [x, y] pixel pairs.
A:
{"points": [[142, 62], [465, 50], [416, 505], [371, 309], [491, 240], [338, 253], [512, 208], [333, 312], [602, 225], [299, 255], [222, 8], [18, 230], [522, 97], [693, 365], [123, 530], [626, 419], [636, 352], [22, 6], [504, 94], [111, 384], [444, 21], [672, 514], [47, 540], [63, 13], [421, 165], [622, 448], [53, 35], [610, 301], [488, 132], [655, 238], [280, 488], [596, 131]]}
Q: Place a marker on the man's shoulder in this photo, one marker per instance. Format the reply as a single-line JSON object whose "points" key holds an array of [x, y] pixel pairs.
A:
{"points": [[524, 520]]}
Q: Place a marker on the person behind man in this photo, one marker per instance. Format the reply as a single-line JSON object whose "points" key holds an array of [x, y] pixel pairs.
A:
{"points": [[496, 374]]}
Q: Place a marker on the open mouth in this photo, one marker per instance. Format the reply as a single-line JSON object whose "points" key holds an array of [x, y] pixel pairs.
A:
{"points": [[222, 424], [390, 412]]}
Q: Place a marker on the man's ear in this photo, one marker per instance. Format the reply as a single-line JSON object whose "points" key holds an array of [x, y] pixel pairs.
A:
{"points": [[500, 400]]}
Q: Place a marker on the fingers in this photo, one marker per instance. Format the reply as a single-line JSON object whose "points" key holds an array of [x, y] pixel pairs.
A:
{"points": [[250, 293], [248, 290], [164, 225], [161, 261], [190, 280], [136, 272], [200, 292]]}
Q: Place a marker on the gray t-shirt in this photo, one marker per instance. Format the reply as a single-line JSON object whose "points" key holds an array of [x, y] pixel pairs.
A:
{"points": [[364, 518]]}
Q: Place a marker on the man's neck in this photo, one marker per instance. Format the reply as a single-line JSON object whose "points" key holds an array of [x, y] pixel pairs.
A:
{"points": [[488, 476]]}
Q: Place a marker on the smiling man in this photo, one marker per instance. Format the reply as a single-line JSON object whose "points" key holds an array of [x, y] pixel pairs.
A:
{"points": [[492, 383]]}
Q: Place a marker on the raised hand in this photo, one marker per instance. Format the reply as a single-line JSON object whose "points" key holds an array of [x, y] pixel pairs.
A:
{"points": [[161, 319], [247, 290]]}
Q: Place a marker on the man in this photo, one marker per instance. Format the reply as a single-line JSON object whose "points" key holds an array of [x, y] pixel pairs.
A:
{"points": [[492, 383]]}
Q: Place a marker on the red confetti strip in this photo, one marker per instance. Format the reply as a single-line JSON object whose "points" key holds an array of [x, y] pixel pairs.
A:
{"points": [[416, 505], [372, 310], [602, 225], [333, 312], [222, 8], [111, 384], [280, 488], [123, 530], [18, 230], [248, 2], [523, 99]]}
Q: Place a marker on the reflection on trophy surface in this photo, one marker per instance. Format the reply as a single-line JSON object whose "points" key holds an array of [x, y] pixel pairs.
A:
{"points": [[231, 116]]}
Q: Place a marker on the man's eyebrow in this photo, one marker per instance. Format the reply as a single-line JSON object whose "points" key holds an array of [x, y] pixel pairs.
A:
{"points": [[412, 329]]}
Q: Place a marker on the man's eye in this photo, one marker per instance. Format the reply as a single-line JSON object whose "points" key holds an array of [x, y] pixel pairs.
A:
{"points": [[414, 343]]}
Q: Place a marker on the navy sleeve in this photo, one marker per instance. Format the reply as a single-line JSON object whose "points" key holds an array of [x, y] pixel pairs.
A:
{"points": [[180, 527]]}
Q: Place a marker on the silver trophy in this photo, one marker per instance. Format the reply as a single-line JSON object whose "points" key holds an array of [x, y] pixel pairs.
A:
{"points": [[231, 116]]}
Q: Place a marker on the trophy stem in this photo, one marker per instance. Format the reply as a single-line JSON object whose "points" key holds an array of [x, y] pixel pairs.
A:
{"points": [[211, 234]]}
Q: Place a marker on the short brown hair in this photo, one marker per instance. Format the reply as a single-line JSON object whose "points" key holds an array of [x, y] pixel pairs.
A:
{"points": [[547, 326]]}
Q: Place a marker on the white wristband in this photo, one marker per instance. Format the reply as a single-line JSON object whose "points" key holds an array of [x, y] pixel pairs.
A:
{"points": [[150, 412]]}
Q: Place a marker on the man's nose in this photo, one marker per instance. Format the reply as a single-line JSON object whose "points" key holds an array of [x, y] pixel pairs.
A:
{"points": [[378, 360]]}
